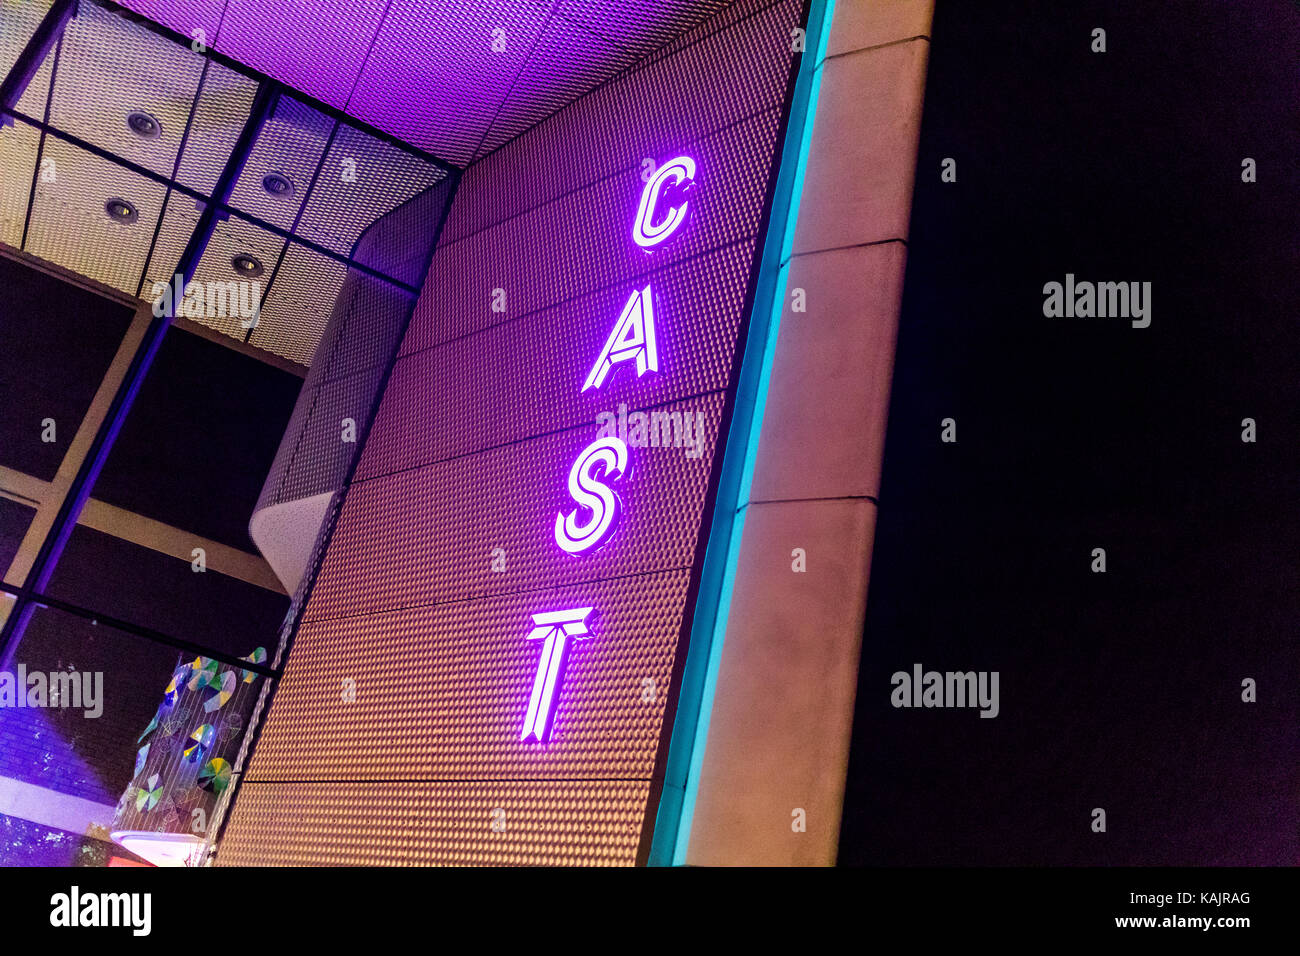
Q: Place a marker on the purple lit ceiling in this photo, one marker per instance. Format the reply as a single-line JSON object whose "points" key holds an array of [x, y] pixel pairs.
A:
{"points": [[455, 77]]}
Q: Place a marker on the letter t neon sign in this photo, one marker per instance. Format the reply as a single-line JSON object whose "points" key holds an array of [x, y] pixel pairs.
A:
{"points": [[556, 627]]}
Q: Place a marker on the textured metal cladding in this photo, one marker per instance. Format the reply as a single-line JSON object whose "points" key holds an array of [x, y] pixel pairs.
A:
{"points": [[567, 60], [232, 237], [291, 143], [427, 535], [398, 245], [110, 67], [447, 697], [657, 107], [394, 736], [18, 148], [298, 304], [639, 26], [179, 221], [18, 21], [363, 179], [427, 824], [586, 240], [224, 103], [370, 314], [319, 458], [455, 77], [457, 398], [184, 16], [439, 71], [316, 46]]}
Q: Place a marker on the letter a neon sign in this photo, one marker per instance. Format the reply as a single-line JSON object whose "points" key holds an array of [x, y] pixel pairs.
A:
{"points": [[633, 338]]}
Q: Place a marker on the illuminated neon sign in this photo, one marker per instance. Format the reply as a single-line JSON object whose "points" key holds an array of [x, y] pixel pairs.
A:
{"points": [[670, 175], [633, 338], [606, 459], [555, 628]]}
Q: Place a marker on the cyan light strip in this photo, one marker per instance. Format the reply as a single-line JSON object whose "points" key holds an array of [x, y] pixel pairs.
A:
{"points": [[713, 604]]}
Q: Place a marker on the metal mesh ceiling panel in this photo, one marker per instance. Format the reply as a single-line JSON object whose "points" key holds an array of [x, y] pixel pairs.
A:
{"points": [[642, 26], [69, 225], [146, 125], [362, 181], [18, 21], [455, 77], [566, 61], [298, 305], [222, 109], [438, 72], [110, 68], [18, 150], [178, 223], [467, 463], [291, 145], [316, 46]]}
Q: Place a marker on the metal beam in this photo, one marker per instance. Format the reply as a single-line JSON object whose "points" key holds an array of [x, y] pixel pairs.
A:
{"points": [[33, 598], [38, 577], [34, 53], [131, 527], [221, 204]]}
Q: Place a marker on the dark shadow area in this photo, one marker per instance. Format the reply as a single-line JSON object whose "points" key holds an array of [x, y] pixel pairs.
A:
{"points": [[200, 439], [56, 342], [1119, 690]]}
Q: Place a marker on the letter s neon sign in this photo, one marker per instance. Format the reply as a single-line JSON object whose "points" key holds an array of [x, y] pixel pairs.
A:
{"points": [[604, 460]]}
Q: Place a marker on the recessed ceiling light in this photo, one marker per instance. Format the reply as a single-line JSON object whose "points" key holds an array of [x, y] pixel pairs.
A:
{"points": [[144, 125], [120, 210], [278, 185], [247, 265]]}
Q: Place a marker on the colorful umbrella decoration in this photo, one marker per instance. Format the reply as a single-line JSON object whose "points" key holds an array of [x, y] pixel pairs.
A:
{"points": [[257, 657], [149, 795], [218, 690], [200, 742], [153, 725], [202, 671], [215, 776], [141, 756], [173, 691]]}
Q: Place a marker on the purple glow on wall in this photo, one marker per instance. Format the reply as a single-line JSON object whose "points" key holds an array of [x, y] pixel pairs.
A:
{"points": [[555, 628], [453, 77], [480, 427]]}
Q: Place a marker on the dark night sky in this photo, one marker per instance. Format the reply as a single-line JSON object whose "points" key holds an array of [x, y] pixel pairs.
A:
{"points": [[1119, 690]]}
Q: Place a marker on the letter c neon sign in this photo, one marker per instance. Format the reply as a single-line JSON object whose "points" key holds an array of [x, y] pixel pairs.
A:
{"points": [[645, 233]]}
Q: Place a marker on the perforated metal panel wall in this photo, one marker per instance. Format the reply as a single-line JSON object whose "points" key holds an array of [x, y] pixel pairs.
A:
{"points": [[395, 734]]}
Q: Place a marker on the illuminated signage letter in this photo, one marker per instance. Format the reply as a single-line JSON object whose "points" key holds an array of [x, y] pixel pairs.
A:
{"points": [[672, 173], [555, 627], [603, 460], [633, 338]]}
